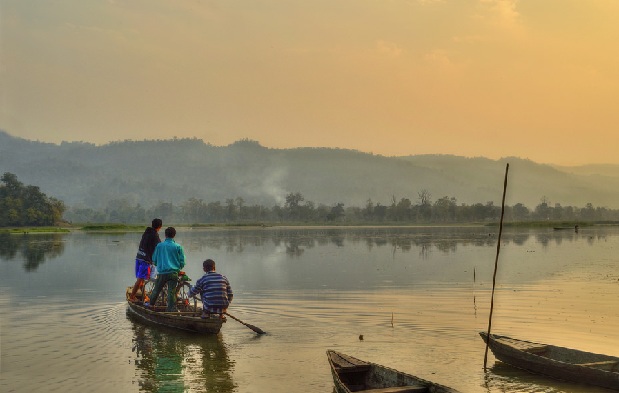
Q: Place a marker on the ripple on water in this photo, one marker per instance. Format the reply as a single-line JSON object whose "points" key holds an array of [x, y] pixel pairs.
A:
{"points": [[56, 345]]}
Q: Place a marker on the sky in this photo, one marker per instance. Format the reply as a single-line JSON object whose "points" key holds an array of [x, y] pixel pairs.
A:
{"points": [[535, 79]]}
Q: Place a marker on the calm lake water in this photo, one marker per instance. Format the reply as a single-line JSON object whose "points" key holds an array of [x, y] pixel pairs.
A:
{"points": [[419, 297]]}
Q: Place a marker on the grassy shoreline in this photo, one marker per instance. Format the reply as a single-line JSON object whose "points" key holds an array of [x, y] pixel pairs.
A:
{"points": [[28, 230], [140, 228]]}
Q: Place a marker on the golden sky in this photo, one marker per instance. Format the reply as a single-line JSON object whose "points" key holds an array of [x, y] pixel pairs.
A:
{"points": [[535, 79]]}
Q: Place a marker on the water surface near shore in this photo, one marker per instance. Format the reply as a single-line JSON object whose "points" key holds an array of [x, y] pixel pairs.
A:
{"points": [[419, 297]]}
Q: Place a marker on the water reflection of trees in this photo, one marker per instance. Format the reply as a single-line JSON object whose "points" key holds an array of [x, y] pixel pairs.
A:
{"points": [[34, 249], [180, 362], [295, 242], [446, 240]]}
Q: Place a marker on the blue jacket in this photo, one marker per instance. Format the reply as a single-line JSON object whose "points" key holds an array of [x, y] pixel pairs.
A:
{"points": [[169, 257]]}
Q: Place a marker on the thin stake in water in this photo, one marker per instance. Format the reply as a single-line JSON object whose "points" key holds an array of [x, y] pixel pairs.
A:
{"points": [[496, 264]]}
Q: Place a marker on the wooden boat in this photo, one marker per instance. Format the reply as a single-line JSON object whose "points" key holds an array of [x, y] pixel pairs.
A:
{"points": [[557, 362], [189, 318], [354, 375], [566, 228]]}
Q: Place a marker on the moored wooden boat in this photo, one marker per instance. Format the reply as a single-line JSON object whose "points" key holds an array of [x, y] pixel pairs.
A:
{"points": [[353, 375], [557, 362], [189, 318]]}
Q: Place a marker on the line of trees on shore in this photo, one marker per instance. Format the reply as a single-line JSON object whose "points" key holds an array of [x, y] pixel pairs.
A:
{"points": [[297, 210], [22, 205]]}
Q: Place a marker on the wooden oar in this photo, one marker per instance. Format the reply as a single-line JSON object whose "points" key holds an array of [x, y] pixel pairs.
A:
{"points": [[252, 327]]}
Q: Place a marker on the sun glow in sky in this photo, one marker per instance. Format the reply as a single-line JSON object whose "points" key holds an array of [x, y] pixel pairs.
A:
{"points": [[533, 79]]}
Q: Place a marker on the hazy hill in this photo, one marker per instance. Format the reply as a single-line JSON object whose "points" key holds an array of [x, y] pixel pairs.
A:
{"points": [[148, 172]]}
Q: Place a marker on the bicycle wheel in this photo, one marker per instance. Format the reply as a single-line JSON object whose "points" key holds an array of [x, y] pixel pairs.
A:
{"points": [[148, 287], [183, 302], [163, 295]]}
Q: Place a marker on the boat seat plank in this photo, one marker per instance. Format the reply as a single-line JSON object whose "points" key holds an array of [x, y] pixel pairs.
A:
{"points": [[353, 369], [399, 389], [345, 364], [536, 349], [529, 347], [604, 364]]}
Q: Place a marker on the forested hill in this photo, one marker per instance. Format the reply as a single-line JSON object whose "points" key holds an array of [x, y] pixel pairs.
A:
{"points": [[149, 172]]}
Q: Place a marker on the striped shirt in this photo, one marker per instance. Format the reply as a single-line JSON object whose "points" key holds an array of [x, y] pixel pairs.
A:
{"points": [[215, 291]]}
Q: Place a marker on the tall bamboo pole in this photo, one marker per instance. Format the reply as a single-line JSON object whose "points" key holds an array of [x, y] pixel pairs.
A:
{"points": [[496, 265]]}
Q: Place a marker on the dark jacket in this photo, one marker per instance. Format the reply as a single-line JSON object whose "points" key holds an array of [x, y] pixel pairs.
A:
{"points": [[149, 241]]}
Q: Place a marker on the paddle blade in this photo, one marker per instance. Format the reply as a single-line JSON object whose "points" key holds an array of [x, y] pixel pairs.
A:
{"points": [[252, 327], [255, 329]]}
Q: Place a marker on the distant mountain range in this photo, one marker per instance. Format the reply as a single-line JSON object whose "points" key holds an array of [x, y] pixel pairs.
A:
{"points": [[152, 171]]}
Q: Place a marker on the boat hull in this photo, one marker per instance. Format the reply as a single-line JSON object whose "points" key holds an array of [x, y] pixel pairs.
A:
{"points": [[557, 362], [353, 375], [191, 322]]}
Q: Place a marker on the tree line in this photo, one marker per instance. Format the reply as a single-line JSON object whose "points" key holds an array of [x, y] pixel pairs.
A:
{"points": [[22, 205], [296, 209]]}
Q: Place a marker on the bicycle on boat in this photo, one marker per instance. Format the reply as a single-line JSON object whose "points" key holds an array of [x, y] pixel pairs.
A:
{"points": [[183, 301]]}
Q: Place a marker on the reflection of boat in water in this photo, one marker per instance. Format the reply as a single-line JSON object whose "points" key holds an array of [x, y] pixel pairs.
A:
{"points": [[502, 377], [353, 375], [189, 318], [180, 362], [558, 362]]}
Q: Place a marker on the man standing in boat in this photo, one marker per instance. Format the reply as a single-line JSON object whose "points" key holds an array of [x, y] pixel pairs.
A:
{"points": [[169, 258], [144, 258], [214, 289]]}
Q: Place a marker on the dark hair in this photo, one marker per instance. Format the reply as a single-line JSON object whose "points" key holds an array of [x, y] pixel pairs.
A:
{"points": [[170, 232], [157, 223], [209, 265]]}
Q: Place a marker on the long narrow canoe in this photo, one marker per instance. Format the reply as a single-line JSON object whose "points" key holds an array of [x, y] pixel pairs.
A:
{"points": [[353, 375], [189, 318], [557, 362]]}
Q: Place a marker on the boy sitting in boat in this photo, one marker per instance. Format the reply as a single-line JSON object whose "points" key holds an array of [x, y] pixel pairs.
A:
{"points": [[214, 289]]}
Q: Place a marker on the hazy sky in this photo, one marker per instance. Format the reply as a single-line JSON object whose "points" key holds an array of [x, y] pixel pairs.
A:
{"points": [[536, 79]]}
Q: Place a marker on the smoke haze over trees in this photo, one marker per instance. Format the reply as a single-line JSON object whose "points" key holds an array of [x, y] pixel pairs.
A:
{"points": [[301, 211], [133, 180]]}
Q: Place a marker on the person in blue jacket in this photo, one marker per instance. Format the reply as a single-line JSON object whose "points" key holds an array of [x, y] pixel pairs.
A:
{"points": [[169, 258]]}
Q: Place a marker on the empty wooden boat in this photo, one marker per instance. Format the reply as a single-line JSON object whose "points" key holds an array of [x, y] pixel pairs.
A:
{"points": [[557, 362], [353, 375]]}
